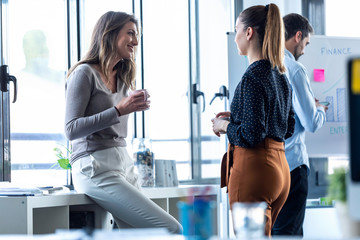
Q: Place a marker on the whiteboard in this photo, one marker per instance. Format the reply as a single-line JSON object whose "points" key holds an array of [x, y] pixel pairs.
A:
{"points": [[330, 54], [327, 54]]}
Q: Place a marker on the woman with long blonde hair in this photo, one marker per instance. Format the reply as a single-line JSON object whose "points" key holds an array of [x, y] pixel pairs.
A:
{"points": [[97, 110]]}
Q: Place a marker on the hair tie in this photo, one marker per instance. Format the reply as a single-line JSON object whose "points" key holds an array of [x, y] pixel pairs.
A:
{"points": [[267, 8]]}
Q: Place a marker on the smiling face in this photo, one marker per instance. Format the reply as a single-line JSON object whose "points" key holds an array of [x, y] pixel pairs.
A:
{"points": [[241, 38], [127, 40]]}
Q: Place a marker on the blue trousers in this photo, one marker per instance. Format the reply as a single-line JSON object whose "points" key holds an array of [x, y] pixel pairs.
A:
{"points": [[291, 217]]}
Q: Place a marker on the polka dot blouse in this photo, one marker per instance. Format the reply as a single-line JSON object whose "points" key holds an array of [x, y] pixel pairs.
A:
{"points": [[261, 107]]}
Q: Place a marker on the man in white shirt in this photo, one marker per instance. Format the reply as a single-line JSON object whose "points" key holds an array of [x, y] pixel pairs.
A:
{"points": [[309, 116]]}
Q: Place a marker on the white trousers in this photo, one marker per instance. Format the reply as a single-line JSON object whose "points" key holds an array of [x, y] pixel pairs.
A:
{"points": [[108, 177]]}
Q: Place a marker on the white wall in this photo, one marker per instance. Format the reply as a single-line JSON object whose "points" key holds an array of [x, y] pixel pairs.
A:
{"points": [[286, 6], [321, 223]]}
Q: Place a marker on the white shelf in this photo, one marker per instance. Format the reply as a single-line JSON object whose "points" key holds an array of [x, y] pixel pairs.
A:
{"points": [[46, 213]]}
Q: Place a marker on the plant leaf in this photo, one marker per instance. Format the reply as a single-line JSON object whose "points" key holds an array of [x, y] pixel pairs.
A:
{"points": [[64, 163]]}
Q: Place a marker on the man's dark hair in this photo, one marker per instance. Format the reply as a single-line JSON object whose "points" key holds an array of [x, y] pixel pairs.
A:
{"points": [[293, 23]]}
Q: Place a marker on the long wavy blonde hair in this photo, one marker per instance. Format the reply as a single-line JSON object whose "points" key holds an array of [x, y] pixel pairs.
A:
{"points": [[102, 50]]}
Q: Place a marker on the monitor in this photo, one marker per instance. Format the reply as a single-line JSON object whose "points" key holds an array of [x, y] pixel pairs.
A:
{"points": [[353, 191]]}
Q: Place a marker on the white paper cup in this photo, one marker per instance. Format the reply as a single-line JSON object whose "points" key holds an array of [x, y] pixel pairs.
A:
{"points": [[145, 92]]}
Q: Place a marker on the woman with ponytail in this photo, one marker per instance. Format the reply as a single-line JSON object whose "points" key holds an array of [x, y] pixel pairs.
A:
{"points": [[261, 115]]}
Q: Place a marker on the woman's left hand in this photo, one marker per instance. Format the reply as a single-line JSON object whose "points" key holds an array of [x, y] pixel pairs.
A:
{"points": [[134, 103], [219, 126]]}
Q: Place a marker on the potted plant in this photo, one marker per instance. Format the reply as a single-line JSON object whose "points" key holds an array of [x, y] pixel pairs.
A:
{"points": [[337, 186], [337, 192], [63, 161]]}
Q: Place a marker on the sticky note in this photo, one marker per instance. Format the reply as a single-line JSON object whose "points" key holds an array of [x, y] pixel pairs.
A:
{"points": [[319, 75], [355, 81]]}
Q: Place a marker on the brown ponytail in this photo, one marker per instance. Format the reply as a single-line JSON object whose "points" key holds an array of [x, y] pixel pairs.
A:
{"points": [[274, 38], [268, 24]]}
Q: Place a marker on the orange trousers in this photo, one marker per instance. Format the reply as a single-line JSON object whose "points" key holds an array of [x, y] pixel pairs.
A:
{"points": [[259, 174]]}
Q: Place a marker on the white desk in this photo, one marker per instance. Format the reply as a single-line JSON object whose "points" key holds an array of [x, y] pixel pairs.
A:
{"points": [[46, 213]]}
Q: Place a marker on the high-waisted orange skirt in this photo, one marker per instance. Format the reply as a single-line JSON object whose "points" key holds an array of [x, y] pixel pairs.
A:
{"points": [[259, 174]]}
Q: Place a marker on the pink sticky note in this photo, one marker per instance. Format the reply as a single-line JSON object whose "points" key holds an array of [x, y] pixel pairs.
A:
{"points": [[319, 75]]}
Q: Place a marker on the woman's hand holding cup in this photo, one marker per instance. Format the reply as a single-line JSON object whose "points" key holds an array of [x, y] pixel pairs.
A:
{"points": [[137, 101], [220, 123]]}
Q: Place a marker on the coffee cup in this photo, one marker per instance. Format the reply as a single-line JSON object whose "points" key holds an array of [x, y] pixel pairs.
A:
{"points": [[225, 118], [144, 91]]}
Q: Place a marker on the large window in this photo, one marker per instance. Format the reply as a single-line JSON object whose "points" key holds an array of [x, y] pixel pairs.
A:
{"points": [[342, 19], [214, 22], [166, 76], [182, 43], [189, 48], [37, 57]]}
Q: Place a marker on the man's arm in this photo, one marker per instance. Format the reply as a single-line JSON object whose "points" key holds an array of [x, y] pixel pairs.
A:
{"points": [[311, 117]]}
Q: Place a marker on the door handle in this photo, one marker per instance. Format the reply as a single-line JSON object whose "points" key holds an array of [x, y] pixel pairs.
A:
{"points": [[223, 92], [196, 94], [5, 78]]}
